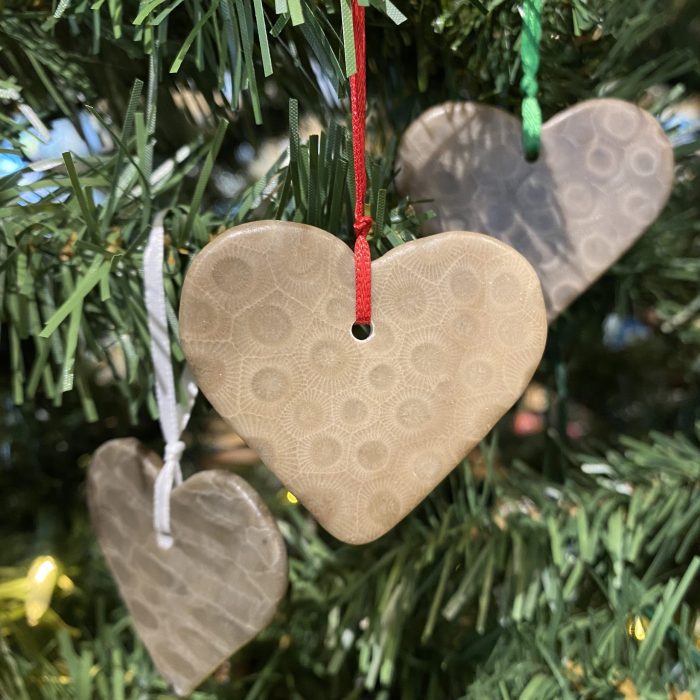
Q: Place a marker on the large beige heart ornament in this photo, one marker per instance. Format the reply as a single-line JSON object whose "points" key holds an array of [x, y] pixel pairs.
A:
{"points": [[604, 173], [360, 430], [195, 604]]}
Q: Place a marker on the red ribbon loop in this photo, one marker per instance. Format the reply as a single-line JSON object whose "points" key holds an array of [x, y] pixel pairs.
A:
{"points": [[363, 281], [363, 223]]}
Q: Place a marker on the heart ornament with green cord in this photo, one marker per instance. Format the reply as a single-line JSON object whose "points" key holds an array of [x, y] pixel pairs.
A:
{"points": [[572, 196]]}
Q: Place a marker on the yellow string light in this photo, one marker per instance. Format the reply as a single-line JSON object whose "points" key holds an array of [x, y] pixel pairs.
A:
{"points": [[65, 584], [41, 578], [637, 627], [292, 498]]}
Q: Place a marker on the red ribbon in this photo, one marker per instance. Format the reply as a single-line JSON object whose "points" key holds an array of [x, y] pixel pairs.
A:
{"points": [[363, 224]]}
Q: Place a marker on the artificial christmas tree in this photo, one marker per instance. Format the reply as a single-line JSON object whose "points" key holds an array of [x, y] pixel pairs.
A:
{"points": [[557, 561]]}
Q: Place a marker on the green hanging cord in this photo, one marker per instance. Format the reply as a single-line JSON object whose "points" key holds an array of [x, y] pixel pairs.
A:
{"points": [[530, 58]]}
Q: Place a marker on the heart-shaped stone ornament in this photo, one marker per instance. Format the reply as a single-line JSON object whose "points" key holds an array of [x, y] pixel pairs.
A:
{"points": [[196, 603], [360, 430], [604, 173]]}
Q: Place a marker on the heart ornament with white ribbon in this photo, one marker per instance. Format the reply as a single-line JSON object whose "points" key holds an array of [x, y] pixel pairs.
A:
{"points": [[200, 564], [197, 602], [360, 430], [604, 173]]}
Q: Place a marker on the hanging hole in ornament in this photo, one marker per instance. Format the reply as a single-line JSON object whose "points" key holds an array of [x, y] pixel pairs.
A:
{"points": [[532, 156], [362, 331]]}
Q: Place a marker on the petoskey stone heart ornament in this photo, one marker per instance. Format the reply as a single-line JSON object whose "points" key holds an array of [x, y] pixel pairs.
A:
{"points": [[604, 173], [195, 604], [360, 430]]}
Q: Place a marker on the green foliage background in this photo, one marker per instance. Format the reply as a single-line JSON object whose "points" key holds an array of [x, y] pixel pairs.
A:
{"points": [[520, 576]]}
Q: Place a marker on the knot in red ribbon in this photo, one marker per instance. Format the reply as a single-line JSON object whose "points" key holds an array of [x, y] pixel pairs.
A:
{"points": [[362, 226]]}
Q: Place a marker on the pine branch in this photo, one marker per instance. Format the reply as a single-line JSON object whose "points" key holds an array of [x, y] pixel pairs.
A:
{"points": [[502, 584]]}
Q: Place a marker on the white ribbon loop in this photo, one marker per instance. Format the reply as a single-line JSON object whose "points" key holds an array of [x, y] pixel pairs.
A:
{"points": [[173, 418], [170, 475]]}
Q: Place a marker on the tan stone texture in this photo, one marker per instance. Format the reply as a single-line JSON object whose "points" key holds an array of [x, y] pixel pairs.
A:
{"points": [[604, 173], [360, 431], [196, 603]]}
